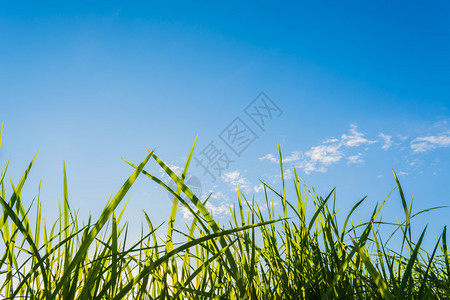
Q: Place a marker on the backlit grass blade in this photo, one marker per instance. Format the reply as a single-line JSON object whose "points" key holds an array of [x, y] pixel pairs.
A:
{"points": [[148, 269], [445, 251], [108, 210], [192, 197], [405, 207], [409, 267], [425, 276], [202, 267], [344, 265], [17, 191], [173, 213], [350, 214], [378, 279], [14, 217], [306, 256]]}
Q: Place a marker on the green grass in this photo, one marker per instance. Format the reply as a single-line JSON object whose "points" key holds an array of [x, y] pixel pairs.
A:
{"points": [[262, 254]]}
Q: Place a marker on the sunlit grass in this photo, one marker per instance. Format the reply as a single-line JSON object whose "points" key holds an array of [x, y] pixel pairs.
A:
{"points": [[262, 254]]}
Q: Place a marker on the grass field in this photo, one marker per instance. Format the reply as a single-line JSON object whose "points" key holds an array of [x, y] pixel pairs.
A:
{"points": [[261, 254]]}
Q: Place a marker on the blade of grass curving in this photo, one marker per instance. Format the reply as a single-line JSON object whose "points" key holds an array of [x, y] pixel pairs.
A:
{"points": [[199, 269], [18, 190], [203, 211], [114, 251], [3, 218], [424, 280], [377, 278], [341, 269], [350, 214], [319, 210], [147, 269], [173, 213], [445, 251], [67, 252], [285, 226], [180, 199], [25, 232], [48, 254], [90, 236], [405, 207], [409, 267]]}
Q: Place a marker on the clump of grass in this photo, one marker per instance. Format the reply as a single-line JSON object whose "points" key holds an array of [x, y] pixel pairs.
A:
{"points": [[258, 256]]}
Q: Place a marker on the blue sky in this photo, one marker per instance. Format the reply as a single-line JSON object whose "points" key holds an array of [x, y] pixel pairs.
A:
{"points": [[362, 88]]}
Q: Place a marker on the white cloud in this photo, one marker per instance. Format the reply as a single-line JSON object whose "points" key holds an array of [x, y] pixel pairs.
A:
{"points": [[325, 154], [318, 157], [176, 169], [330, 141], [218, 195], [269, 157], [427, 143], [215, 210], [293, 157], [331, 151], [186, 213], [258, 188], [355, 138], [355, 159], [268, 205], [387, 141], [310, 166], [401, 173], [235, 179], [402, 137], [288, 174]]}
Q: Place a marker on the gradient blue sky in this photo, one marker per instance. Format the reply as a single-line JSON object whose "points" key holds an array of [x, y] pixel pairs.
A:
{"points": [[363, 88]]}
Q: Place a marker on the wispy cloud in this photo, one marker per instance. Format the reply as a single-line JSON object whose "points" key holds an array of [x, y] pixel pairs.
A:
{"points": [[329, 152], [258, 188], [288, 174], [264, 206], [215, 210], [344, 148], [355, 159], [186, 213], [318, 158], [176, 169], [235, 179], [431, 142], [269, 157], [402, 137], [355, 138], [294, 156], [387, 139], [333, 140], [332, 151], [218, 195]]}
